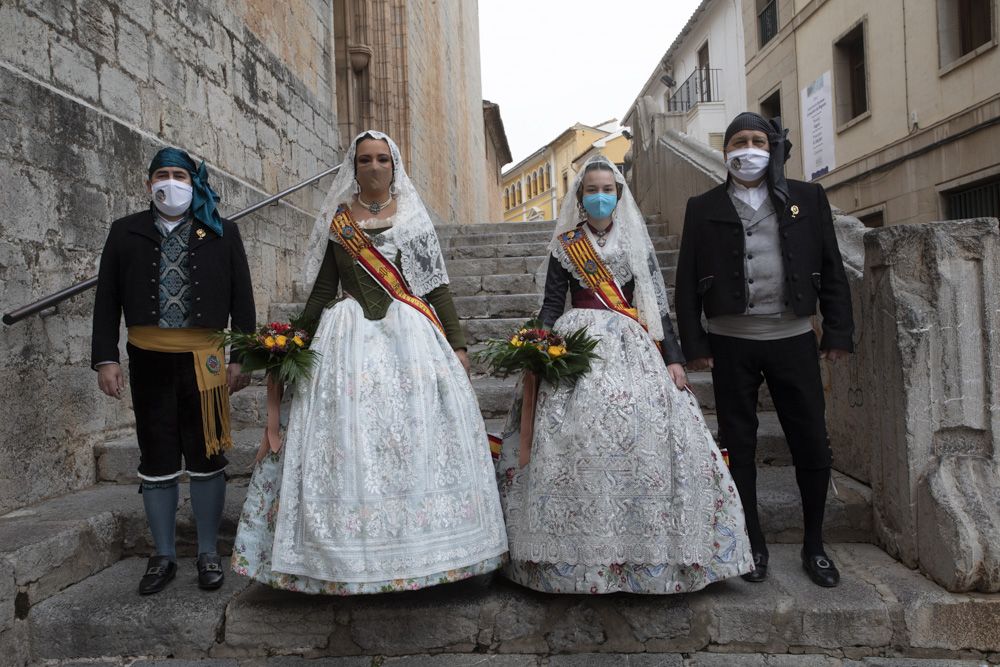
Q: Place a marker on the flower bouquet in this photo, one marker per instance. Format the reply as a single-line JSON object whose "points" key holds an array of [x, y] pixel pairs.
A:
{"points": [[541, 354], [281, 350], [545, 353]]}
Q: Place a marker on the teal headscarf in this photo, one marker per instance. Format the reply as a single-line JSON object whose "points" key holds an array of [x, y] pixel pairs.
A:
{"points": [[203, 197]]}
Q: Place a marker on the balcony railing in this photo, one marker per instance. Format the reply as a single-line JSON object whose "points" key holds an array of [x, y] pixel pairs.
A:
{"points": [[767, 22], [701, 86]]}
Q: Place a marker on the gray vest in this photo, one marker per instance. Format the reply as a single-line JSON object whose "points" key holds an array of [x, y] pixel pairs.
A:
{"points": [[763, 268]]}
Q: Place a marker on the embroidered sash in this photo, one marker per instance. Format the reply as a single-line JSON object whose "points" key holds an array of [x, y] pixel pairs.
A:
{"points": [[589, 265], [357, 244]]}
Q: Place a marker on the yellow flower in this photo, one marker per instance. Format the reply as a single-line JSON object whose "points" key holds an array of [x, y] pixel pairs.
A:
{"points": [[269, 342], [516, 342], [281, 341], [556, 350], [298, 341]]}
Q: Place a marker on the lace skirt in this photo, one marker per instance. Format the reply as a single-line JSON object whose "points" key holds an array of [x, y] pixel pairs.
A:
{"points": [[385, 481], [625, 489]]}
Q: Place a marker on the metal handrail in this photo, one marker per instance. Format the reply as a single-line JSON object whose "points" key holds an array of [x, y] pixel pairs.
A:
{"points": [[58, 297]]}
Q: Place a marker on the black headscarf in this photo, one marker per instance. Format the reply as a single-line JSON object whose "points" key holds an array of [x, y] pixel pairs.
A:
{"points": [[777, 137]]}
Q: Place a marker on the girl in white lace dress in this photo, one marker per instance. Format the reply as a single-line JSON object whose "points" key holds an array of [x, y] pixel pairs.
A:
{"points": [[625, 489], [385, 480]]}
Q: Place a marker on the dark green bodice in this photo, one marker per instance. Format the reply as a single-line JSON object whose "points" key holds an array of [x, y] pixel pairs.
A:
{"points": [[339, 268]]}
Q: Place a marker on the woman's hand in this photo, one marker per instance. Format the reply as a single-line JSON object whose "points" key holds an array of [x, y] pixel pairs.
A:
{"points": [[463, 357], [677, 374]]}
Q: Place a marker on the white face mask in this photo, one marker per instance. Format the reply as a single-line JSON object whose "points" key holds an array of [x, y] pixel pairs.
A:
{"points": [[172, 197], [747, 164]]}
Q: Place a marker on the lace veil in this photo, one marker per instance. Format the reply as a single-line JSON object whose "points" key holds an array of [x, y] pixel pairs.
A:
{"points": [[412, 232], [650, 292]]}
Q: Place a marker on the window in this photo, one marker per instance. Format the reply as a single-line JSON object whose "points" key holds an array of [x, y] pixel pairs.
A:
{"points": [[506, 199], [519, 194], [548, 176], [980, 200], [963, 26], [851, 74], [770, 106], [565, 180], [534, 184], [767, 21]]}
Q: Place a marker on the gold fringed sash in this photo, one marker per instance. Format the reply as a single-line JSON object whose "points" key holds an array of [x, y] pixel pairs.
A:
{"points": [[357, 244], [590, 265], [210, 372]]}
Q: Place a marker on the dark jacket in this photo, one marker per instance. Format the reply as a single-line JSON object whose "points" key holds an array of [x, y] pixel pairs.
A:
{"points": [[129, 280], [558, 280], [710, 266]]}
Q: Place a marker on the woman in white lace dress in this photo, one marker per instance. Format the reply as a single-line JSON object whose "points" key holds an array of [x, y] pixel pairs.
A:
{"points": [[385, 480], [624, 489]]}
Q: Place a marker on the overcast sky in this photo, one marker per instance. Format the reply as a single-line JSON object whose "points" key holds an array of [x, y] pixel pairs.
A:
{"points": [[551, 63]]}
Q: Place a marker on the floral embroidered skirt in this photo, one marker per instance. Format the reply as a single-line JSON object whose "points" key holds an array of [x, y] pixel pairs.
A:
{"points": [[385, 481], [625, 489]]}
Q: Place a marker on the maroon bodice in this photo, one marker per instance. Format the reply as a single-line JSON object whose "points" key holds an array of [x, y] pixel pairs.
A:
{"points": [[584, 297]]}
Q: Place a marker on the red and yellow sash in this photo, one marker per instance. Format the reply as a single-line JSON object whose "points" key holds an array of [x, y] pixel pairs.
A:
{"points": [[357, 244], [590, 265]]}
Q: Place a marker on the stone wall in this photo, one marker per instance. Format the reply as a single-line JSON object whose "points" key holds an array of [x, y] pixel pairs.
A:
{"points": [[447, 149], [89, 90]]}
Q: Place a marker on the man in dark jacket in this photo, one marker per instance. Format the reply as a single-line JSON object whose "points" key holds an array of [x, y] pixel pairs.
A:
{"points": [[757, 253], [179, 272]]}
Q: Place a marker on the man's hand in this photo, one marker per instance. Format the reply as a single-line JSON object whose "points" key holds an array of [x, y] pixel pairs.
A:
{"points": [[110, 379], [833, 354], [463, 357], [235, 378], [701, 364], [677, 374]]}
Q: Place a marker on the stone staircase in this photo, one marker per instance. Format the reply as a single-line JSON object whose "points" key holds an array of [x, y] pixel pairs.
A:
{"points": [[69, 566]]}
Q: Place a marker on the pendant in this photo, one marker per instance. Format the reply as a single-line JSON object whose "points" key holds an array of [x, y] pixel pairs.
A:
{"points": [[374, 207], [601, 240]]}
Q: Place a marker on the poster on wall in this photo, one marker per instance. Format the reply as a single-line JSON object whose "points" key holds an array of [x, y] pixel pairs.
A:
{"points": [[817, 127]]}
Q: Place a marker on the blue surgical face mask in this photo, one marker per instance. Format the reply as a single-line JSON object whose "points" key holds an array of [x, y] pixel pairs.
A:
{"points": [[600, 205]]}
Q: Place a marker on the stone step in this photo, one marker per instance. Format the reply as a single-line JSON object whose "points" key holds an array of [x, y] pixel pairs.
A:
{"points": [[532, 264], [53, 544], [881, 607], [538, 248], [519, 283], [495, 228], [520, 236]]}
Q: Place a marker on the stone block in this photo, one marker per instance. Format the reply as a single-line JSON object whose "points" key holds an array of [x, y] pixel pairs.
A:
{"points": [[15, 645], [104, 615], [56, 13], [95, 27], [120, 94], [445, 619], [932, 311], [167, 70], [473, 660], [661, 618], [26, 41], [263, 619], [576, 630], [760, 660], [133, 48], [518, 625], [74, 68], [8, 593]]}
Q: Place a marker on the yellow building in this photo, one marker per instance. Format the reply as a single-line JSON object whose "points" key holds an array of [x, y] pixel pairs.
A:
{"points": [[534, 188], [614, 147]]}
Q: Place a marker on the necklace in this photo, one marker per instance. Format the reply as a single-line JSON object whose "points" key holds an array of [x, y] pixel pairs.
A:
{"points": [[375, 207], [601, 235]]}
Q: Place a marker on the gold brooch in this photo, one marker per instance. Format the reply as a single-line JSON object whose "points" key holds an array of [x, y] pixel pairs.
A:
{"points": [[795, 210], [200, 233]]}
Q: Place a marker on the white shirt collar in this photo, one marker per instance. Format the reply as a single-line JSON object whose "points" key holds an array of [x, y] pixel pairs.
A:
{"points": [[752, 197]]}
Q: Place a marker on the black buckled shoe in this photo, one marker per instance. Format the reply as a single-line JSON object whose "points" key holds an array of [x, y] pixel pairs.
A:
{"points": [[159, 571], [210, 574], [821, 570], [759, 573]]}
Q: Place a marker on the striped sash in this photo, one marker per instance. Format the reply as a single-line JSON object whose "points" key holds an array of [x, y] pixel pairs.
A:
{"points": [[359, 246]]}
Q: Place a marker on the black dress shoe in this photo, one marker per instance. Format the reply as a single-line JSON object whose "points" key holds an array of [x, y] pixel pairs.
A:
{"points": [[159, 571], [821, 570], [210, 573], [759, 573]]}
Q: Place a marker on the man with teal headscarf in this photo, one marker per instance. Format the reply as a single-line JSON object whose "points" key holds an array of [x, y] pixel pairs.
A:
{"points": [[179, 273]]}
